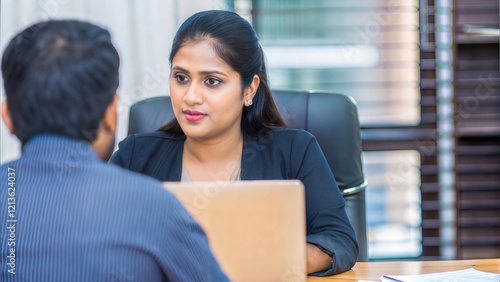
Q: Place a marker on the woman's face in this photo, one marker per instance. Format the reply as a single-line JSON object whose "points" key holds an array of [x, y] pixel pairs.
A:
{"points": [[206, 93]]}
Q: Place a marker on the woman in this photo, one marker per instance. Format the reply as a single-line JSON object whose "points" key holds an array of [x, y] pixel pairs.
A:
{"points": [[227, 127]]}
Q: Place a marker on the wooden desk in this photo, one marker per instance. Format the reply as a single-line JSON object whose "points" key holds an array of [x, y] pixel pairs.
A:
{"points": [[374, 270]]}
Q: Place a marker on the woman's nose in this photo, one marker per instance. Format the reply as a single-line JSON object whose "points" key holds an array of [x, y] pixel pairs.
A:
{"points": [[193, 95]]}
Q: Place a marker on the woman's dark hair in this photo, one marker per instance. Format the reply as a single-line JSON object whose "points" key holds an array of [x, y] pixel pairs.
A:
{"points": [[59, 77], [236, 42]]}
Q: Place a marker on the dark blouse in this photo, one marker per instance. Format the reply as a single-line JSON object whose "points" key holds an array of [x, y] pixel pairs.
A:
{"points": [[278, 154]]}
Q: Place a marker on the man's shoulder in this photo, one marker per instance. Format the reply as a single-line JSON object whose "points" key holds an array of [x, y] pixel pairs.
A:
{"points": [[131, 183], [12, 165], [6, 165], [125, 176]]}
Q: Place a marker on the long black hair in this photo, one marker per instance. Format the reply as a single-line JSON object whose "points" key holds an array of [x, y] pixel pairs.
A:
{"points": [[237, 44]]}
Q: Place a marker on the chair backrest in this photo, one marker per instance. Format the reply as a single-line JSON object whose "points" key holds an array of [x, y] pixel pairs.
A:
{"points": [[332, 118]]}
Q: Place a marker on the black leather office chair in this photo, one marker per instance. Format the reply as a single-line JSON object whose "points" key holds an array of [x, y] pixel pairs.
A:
{"points": [[331, 117]]}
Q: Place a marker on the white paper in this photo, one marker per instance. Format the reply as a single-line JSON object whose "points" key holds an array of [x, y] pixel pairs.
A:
{"points": [[465, 275]]}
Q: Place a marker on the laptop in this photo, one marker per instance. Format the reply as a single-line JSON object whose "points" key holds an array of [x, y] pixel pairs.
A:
{"points": [[256, 229]]}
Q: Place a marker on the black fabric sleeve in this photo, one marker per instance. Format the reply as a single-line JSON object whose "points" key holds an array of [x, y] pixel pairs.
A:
{"points": [[327, 223], [122, 157]]}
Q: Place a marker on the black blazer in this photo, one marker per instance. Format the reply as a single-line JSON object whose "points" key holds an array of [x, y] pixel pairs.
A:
{"points": [[278, 154]]}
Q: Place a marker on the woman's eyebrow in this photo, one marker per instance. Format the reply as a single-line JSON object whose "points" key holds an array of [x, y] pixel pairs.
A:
{"points": [[180, 69], [209, 72], [212, 72]]}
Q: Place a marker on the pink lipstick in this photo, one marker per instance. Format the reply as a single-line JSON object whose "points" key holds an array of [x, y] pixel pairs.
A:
{"points": [[192, 115]]}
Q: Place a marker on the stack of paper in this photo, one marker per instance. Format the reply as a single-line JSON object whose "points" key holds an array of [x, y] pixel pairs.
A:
{"points": [[466, 275]]}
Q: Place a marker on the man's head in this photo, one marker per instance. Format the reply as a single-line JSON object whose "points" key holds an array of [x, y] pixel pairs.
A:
{"points": [[60, 77]]}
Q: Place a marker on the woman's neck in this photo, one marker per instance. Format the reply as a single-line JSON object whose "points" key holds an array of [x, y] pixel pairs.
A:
{"points": [[210, 151], [212, 161]]}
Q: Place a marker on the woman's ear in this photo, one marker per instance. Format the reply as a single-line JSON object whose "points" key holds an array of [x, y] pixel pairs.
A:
{"points": [[6, 116], [250, 90]]}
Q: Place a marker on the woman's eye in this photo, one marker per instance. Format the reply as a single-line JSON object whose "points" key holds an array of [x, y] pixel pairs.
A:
{"points": [[181, 78], [212, 81]]}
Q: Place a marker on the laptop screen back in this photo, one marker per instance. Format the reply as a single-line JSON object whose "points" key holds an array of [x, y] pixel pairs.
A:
{"points": [[256, 229]]}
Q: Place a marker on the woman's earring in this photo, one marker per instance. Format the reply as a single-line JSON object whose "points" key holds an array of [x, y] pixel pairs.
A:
{"points": [[250, 102]]}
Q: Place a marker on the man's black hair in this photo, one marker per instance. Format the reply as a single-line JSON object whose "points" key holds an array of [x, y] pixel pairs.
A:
{"points": [[59, 78]]}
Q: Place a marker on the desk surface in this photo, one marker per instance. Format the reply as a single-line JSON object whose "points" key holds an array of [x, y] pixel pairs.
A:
{"points": [[374, 270]]}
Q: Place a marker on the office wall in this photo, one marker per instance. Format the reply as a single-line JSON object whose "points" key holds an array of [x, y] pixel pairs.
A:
{"points": [[142, 32]]}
